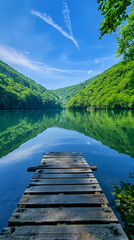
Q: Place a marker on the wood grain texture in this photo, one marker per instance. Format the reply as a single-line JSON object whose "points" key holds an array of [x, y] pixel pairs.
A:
{"points": [[63, 154], [63, 161], [63, 200], [66, 232], [63, 165], [61, 171], [74, 189], [35, 216], [61, 175], [69, 181]]}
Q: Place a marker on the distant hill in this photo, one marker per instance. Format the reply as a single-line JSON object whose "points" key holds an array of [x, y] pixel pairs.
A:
{"points": [[112, 89], [65, 94], [20, 92]]}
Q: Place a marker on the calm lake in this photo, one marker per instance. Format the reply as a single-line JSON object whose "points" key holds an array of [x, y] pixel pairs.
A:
{"points": [[106, 139]]}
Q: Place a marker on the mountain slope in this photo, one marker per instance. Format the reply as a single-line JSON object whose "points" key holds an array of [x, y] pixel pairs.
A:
{"points": [[65, 94], [112, 89], [20, 92]]}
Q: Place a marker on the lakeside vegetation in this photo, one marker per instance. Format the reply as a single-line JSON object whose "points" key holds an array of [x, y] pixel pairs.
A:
{"points": [[124, 205], [20, 92], [112, 89]]}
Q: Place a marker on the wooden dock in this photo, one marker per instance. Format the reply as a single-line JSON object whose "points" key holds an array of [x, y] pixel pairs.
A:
{"points": [[63, 201]]}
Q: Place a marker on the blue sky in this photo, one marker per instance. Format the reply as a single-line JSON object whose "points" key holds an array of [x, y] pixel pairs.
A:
{"points": [[55, 42]]}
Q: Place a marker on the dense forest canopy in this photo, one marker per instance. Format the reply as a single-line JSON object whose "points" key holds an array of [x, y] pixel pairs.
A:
{"points": [[20, 92], [65, 94], [112, 89]]}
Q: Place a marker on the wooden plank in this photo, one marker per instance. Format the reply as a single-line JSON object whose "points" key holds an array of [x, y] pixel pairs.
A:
{"points": [[65, 232], [68, 181], [64, 157], [64, 200], [63, 161], [64, 175], [64, 165], [94, 168], [65, 171], [63, 154], [35, 216], [68, 170], [51, 189]]}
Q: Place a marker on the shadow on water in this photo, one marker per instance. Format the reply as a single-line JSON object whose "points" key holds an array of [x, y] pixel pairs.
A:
{"points": [[114, 129]]}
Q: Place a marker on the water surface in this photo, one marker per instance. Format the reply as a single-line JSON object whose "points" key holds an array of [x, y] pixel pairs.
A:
{"points": [[106, 139]]}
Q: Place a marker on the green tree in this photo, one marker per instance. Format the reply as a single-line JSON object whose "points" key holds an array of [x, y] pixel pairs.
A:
{"points": [[114, 12], [124, 204], [126, 38]]}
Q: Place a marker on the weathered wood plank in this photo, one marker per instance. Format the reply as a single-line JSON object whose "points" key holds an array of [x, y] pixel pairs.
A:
{"points": [[35, 216], [63, 154], [58, 161], [60, 170], [68, 181], [51, 189], [93, 168], [66, 232], [64, 200], [64, 160], [64, 165], [73, 232], [66, 171], [63, 157], [62, 175]]}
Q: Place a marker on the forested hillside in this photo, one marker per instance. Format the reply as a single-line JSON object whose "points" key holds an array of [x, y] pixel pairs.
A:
{"points": [[20, 92], [112, 89], [65, 94]]}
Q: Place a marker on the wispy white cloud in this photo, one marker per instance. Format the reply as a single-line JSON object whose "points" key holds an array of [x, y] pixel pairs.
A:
{"points": [[95, 46], [107, 58], [64, 58], [88, 143], [90, 71], [68, 71], [66, 16], [48, 19], [13, 56], [21, 154]]}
